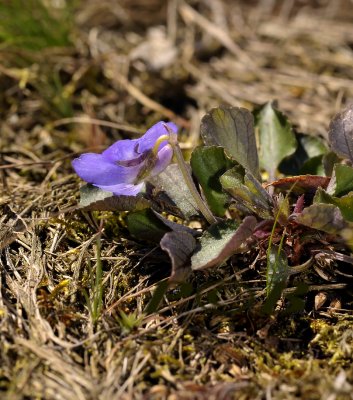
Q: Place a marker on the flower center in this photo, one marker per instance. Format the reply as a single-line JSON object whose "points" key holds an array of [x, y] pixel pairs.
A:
{"points": [[133, 162], [150, 159], [148, 164]]}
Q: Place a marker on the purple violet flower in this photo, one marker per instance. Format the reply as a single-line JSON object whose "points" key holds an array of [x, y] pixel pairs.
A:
{"points": [[123, 167]]}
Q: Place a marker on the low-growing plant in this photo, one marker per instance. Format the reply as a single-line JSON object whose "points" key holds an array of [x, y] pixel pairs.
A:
{"points": [[128, 322], [34, 25], [255, 183]]}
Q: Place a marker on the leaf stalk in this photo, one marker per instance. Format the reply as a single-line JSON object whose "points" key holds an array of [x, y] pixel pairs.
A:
{"points": [[205, 211]]}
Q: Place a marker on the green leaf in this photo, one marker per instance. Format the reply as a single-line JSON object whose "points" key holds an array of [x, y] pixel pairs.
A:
{"points": [[324, 217], [341, 133], [276, 277], [321, 196], [314, 146], [179, 246], [315, 150], [313, 166], [345, 203], [307, 159], [277, 268], [221, 241], [157, 297], [145, 225], [296, 299], [276, 138], [148, 225], [95, 199], [247, 191], [172, 182], [208, 164], [341, 181], [329, 160], [233, 129]]}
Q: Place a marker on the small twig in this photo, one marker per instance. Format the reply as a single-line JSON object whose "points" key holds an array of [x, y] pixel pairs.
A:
{"points": [[216, 85], [297, 269], [191, 15], [25, 164], [94, 121], [334, 255], [149, 103], [316, 288]]}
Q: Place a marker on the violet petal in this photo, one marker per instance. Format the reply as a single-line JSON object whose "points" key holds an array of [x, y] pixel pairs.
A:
{"points": [[93, 168], [147, 141], [134, 161], [122, 150], [123, 189], [164, 157]]}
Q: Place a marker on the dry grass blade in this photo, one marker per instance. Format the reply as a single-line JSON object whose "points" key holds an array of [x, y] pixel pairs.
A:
{"points": [[191, 15]]}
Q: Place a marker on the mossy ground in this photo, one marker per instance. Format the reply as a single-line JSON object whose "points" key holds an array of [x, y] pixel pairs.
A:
{"points": [[63, 335]]}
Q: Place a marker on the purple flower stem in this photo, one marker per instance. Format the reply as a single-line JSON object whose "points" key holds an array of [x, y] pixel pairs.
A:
{"points": [[205, 211]]}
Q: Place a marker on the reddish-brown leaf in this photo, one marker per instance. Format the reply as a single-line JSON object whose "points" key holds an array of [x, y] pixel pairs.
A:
{"points": [[301, 184]]}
